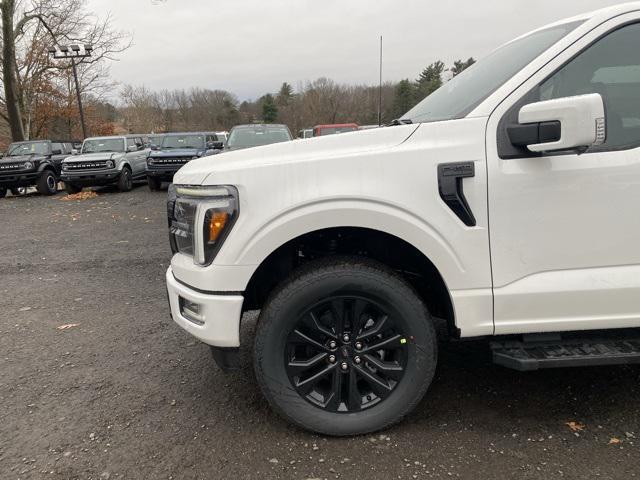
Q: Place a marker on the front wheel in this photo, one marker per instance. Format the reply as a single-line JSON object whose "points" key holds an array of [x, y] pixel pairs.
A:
{"points": [[345, 347], [125, 183], [47, 183]]}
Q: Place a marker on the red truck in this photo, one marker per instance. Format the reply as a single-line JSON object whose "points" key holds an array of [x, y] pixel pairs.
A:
{"points": [[321, 130]]}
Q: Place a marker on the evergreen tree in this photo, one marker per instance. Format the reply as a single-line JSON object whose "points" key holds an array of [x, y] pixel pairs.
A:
{"points": [[460, 65], [269, 109], [430, 79], [404, 98], [284, 95]]}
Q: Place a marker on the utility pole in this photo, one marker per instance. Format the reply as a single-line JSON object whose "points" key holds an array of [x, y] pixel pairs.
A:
{"points": [[380, 88], [75, 77], [73, 52]]}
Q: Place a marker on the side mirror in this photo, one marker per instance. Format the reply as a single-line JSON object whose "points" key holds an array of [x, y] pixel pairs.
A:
{"points": [[56, 152], [132, 148], [561, 124], [218, 145], [74, 151]]}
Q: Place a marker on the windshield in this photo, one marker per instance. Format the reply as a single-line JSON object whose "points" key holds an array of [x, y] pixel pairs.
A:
{"points": [[255, 136], [103, 145], [28, 148], [466, 91], [155, 140], [183, 141]]}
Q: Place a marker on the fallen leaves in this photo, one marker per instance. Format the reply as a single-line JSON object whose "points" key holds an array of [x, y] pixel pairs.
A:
{"points": [[80, 196], [576, 426], [68, 326]]}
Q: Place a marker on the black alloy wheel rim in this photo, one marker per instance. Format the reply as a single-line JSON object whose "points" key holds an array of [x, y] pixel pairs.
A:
{"points": [[51, 182], [346, 354]]}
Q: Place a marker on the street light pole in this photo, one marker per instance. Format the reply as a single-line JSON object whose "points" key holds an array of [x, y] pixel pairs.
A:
{"points": [[73, 52], [75, 77]]}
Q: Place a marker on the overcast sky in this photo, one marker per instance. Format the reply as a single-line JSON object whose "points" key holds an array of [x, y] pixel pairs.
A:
{"points": [[250, 47]]}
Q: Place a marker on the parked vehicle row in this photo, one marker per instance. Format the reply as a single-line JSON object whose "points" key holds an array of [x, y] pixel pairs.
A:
{"points": [[121, 159]]}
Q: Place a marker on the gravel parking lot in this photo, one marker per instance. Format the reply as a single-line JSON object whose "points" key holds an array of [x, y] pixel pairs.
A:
{"points": [[96, 382]]}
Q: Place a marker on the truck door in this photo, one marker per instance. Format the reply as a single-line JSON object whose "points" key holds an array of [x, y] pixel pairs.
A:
{"points": [[565, 227], [134, 157]]}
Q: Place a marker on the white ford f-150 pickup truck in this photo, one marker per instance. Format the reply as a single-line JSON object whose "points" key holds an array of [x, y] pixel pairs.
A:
{"points": [[504, 205]]}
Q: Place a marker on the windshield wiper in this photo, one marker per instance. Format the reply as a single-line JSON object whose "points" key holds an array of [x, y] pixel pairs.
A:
{"points": [[399, 121]]}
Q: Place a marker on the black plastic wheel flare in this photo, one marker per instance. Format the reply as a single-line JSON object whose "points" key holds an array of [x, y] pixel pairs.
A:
{"points": [[346, 354]]}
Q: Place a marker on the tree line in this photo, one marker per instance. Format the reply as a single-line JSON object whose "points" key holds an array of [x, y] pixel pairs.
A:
{"points": [[315, 102]]}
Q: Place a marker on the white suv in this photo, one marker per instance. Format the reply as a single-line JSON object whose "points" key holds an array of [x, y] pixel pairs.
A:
{"points": [[505, 205]]}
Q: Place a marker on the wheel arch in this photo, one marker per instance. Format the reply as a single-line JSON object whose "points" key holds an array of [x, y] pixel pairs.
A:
{"points": [[47, 166], [391, 250]]}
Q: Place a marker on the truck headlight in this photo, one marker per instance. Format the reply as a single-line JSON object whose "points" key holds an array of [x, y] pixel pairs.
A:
{"points": [[28, 165], [200, 219], [110, 164]]}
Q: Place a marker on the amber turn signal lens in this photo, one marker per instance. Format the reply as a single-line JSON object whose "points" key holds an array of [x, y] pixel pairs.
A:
{"points": [[216, 225]]}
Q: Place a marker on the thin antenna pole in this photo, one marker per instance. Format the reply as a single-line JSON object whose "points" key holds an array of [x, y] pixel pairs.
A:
{"points": [[380, 88]]}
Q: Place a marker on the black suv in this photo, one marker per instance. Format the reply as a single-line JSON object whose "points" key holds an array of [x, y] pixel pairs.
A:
{"points": [[175, 150], [35, 162]]}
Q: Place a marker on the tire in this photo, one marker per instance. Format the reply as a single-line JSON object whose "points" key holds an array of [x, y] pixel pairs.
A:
{"points": [[71, 188], [359, 285], [47, 183], [154, 183], [125, 183], [3, 192], [19, 191]]}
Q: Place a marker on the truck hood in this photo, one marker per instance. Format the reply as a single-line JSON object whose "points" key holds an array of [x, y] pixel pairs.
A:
{"points": [[92, 157], [203, 171], [22, 158]]}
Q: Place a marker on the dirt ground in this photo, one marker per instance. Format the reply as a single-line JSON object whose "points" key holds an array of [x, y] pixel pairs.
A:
{"points": [[122, 392]]}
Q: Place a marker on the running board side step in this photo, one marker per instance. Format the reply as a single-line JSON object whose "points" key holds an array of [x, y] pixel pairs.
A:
{"points": [[551, 351]]}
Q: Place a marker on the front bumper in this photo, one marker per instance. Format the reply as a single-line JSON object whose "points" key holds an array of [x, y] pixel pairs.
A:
{"points": [[18, 179], [90, 177], [220, 314], [165, 173]]}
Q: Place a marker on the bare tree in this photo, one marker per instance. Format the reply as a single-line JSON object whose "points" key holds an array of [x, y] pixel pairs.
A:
{"points": [[28, 29]]}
